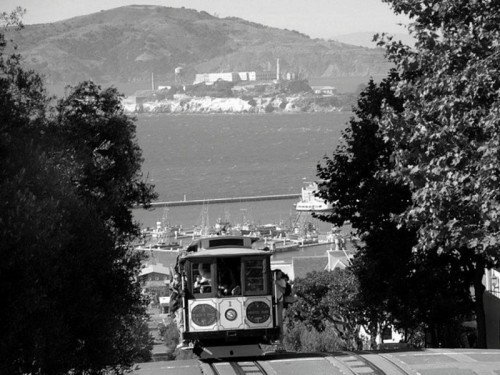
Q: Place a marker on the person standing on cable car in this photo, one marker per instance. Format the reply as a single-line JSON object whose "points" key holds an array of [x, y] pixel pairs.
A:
{"points": [[176, 294], [280, 287]]}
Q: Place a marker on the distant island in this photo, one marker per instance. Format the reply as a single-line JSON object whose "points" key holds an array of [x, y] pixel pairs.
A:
{"points": [[240, 97]]}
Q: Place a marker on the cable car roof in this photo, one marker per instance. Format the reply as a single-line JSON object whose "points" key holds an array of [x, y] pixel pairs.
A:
{"points": [[225, 252], [223, 246]]}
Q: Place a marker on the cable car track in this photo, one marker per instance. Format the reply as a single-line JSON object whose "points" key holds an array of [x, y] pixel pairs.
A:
{"points": [[404, 362], [234, 368], [349, 363], [244, 368]]}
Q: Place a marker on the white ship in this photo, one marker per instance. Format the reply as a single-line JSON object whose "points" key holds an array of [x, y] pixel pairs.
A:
{"points": [[310, 202]]}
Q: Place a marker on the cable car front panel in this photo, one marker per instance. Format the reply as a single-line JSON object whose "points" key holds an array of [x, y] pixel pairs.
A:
{"points": [[229, 294], [216, 314]]}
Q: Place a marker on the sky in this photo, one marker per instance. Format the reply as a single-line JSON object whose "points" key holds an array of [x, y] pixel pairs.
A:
{"points": [[316, 18]]}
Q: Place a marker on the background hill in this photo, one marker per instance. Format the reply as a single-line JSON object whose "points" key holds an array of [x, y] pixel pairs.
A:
{"points": [[125, 45], [365, 39]]}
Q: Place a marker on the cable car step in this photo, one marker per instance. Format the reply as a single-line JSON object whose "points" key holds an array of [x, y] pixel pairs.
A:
{"points": [[233, 351]]}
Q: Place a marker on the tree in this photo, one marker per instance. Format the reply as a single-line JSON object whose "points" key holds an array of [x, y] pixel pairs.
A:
{"points": [[447, 137], [302, 338], [350, 180], [71, 301], [395, 286], [100, 137], [328, 300]]}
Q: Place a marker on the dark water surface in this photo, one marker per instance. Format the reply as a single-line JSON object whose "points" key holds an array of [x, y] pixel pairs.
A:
{"points": [[220, 155]]}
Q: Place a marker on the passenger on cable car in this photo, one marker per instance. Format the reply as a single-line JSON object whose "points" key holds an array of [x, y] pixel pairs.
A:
{"points": [[203, 283], [197, 284], [229, 277], [288, 298], [280, 284], [176, 294]]}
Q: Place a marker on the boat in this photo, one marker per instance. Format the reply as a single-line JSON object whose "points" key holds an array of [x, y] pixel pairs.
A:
{"points": [[160, 246], [310, 202]]}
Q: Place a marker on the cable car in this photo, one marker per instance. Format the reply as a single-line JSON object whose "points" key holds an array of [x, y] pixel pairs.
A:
{"points": [[229, 303]]}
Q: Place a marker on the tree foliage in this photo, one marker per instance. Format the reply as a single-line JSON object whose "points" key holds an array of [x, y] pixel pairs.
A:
{"points": [[70, 299], [302, 338], [447, 137], [100, 138], [396, 286], [424, 169], [368, 200], [327, 300], [349, 178]]}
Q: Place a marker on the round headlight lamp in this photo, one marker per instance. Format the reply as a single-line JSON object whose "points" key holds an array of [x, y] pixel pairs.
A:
{"points": [[258, 312], [231, 314], [204, 315]]}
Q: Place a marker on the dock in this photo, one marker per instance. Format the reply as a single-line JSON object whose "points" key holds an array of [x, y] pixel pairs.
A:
{"points": [[225, 200]]}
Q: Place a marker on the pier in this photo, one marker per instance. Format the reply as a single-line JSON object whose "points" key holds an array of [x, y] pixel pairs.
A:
{"points": [[225, 200]]}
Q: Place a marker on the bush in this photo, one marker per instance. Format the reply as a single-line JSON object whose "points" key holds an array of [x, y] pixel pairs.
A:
{"points": [[170, 335], [171, 338], [269, 108], [304, 339]]}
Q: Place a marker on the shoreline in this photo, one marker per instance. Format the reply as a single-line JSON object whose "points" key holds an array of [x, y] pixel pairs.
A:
{"points": [[153, 114], [235, 105]]}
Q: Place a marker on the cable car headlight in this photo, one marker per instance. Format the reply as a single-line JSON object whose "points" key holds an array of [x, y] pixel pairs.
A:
{"points": [[258, 312], [231, 314], [204, 315]]}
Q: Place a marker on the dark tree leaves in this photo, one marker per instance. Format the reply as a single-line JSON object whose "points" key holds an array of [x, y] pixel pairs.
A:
{"points": [[447, 138], [100, 138], [71, 302]]}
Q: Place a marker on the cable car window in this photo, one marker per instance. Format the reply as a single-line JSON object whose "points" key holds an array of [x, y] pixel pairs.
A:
{"points": [[226, 242], [192, 248], [229, 276], [202, 278], [254, 277]]}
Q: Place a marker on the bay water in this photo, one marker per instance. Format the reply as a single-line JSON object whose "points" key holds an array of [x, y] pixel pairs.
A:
{"points": [[203, 156]]}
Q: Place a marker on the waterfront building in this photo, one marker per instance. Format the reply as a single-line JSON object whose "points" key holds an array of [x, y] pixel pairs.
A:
{"points": [[155, 279], [300, 266], [491, 300]]}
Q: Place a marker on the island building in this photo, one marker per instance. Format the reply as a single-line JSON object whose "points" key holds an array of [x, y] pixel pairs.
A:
{"points": [[324, 90], [248, 76], [252, 76]]}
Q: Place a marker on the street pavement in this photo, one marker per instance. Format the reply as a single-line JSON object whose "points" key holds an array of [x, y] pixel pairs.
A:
{"points": [[425, 362]]}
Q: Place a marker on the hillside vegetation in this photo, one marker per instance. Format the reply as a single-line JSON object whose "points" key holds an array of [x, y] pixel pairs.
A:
{"points": [[127, 44]]}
